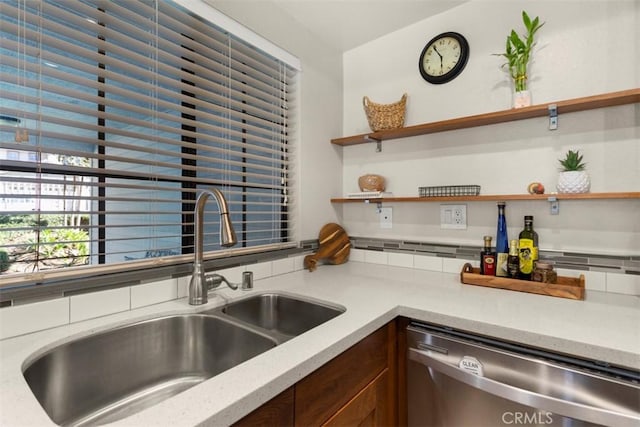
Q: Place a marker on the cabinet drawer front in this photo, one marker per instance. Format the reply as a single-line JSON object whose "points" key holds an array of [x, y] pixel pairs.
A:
{"points": [[325, 391], [367, 409]]}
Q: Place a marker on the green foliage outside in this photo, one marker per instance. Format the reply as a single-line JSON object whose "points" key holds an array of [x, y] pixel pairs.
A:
{"points": [[35, 242], [68, 246], [4, 260]]}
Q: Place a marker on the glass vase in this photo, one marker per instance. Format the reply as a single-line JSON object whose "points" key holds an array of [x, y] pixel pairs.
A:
{"points": [[522, 99]]}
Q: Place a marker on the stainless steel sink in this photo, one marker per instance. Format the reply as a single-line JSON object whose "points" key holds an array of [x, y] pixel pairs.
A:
{"points": [[110, 375], [281, 315]]}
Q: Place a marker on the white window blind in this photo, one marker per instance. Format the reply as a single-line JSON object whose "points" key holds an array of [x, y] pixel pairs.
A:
{"points": [[114, 115]]}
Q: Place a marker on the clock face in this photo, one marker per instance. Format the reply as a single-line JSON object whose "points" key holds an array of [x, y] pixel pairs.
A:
{"points": [[443, 58]]}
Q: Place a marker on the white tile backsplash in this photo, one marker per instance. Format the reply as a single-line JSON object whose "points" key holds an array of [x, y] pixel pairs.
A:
{"points": [[183, 286], [400, 260], [376, 257], [233, 274], [357, 255], [260, 270], [454, 265], [426, 262], [154, 293], [96, 304], [593, 280], [623, 283], [298, 262], [282, 266], [23, 319]]}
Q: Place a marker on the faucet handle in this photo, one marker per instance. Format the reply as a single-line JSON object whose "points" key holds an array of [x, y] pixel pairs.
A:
{"points": [[214, 280], [247, 280]]}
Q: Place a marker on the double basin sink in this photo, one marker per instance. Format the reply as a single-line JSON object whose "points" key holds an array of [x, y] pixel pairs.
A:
{"points": [[110, 375]]}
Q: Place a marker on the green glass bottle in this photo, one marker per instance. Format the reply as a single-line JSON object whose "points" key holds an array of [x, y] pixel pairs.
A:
{"points": [[528, 247]]}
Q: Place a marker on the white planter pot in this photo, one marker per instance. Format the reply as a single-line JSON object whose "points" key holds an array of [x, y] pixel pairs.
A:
{"points": [[573, 182], [522, 99]]}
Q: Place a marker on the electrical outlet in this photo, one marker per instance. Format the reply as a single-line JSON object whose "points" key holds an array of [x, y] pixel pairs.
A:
{"points": [[453, 217], [386, 217]]}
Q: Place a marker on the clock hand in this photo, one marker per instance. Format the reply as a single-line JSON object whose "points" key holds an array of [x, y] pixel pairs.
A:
{"points": [[436, 50]]}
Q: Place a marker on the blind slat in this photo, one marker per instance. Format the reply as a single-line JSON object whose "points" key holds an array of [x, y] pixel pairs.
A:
{"points": [[203, 98], [267, 146], [133, 37], [118, 116]]}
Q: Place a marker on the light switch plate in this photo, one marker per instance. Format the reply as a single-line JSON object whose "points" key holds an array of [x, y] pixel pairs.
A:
{"points": [[453, 217]]}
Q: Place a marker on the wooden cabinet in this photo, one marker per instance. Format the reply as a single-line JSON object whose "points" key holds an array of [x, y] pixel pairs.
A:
{"points": [[368, 408], [351, 383], [356, 388], [276, 412]]}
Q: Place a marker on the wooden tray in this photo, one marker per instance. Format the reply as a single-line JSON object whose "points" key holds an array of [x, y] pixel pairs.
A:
{"points": [[566, 287]]}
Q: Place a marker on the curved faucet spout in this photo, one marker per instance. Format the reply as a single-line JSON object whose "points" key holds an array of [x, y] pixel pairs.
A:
{"points": [[197, 286], [227, 234]]}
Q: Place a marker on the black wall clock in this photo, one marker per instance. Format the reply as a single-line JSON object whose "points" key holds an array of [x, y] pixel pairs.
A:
{"points": [[444, 57]]}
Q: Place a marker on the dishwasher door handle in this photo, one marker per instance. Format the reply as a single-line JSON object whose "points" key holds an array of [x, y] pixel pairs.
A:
{"points": [[526, 397]]}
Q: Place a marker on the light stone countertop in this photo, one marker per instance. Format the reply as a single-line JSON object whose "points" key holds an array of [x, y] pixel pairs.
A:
{"points": [[604, 327]]}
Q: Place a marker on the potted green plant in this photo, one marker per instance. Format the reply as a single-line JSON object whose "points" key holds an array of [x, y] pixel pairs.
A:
{"points": [[573, 178], [518, 54]]}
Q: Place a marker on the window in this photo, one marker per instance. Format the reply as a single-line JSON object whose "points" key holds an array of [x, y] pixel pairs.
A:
{"points": [[126, 111]]}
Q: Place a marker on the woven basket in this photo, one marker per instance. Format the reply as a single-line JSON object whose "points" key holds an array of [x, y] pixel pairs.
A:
{"points": [[385, 116]]}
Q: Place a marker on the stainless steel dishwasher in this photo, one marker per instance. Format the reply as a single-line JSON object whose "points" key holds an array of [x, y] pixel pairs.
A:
{"points": [[458, 379]]}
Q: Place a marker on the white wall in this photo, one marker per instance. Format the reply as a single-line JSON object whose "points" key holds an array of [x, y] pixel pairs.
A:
{"points": [[319, 165], [584, 48]]}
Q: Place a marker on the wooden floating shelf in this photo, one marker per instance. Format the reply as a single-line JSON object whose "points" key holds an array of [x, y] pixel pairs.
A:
{"points": [[630, 96], [495, 198]]}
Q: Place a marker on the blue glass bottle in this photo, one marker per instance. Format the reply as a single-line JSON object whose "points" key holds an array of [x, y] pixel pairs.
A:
{"points": [[502, 243]]}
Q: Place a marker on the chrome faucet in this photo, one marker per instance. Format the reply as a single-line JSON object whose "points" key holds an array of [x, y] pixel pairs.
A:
{"points": [[200, 280]]}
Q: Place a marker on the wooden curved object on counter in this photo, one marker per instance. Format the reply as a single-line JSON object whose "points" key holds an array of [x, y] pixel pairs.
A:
{"points": [[334, 247]]}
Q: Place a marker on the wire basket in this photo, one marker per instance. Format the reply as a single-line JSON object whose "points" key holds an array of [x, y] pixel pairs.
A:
{"points": [[449, 190], [385, 116]]}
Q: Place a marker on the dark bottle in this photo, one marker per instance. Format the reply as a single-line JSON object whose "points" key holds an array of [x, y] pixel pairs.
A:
{"points": [[513, 260], [487, 259], [502, 243], [528, 248]]}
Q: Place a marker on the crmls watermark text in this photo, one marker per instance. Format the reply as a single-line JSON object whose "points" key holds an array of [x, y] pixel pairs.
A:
{"points": [[524, 418]]}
